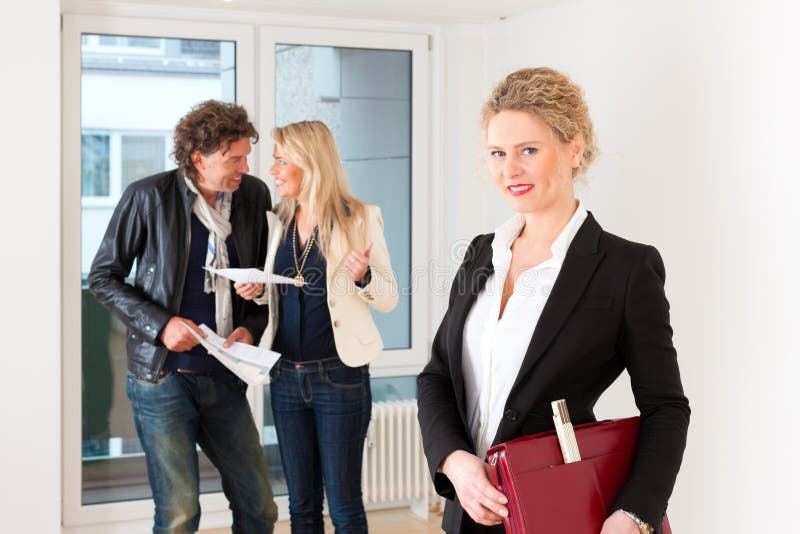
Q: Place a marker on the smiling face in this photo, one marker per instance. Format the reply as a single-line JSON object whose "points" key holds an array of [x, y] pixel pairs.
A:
{"points": [[530, 165], [221, 171], [288, 176]]}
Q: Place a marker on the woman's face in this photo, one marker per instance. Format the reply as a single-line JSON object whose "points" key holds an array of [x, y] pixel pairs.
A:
{"points": [[530, 165], [288, 176]]}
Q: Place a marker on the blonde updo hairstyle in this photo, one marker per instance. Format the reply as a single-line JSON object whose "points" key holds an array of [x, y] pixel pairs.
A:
{"points": [[553, 98]]}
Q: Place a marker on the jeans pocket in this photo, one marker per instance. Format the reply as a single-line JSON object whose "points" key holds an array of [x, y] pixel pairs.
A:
{"points": [[167, 375], [163, 378], [345, 377]]}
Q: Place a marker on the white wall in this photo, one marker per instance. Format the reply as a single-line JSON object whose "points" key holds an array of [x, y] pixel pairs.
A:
{"points": [[30, 381], [458, 208], [696, 108]]}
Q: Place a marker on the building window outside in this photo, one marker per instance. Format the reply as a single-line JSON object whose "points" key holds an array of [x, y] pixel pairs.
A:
{"points": [[95, 165], [111, 161]]}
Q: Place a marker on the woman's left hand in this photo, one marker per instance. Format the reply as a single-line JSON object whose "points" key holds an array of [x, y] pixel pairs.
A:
{"points": [[619, 523], [248, 291], [357, 262]]}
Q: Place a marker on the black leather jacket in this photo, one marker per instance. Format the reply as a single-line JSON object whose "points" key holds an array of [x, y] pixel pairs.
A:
{"points": [[151, 224]]}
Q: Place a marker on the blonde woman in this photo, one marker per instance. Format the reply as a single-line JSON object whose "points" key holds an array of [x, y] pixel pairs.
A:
{"points": [[333, 245], [549, 306]]}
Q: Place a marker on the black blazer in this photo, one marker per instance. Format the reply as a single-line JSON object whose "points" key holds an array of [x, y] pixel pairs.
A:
{"points": [[607, 312]]}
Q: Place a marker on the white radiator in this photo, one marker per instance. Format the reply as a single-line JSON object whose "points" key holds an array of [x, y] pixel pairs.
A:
{"points": [[395, 471]]}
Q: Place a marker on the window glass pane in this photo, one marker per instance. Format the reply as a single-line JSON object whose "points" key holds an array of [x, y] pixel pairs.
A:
{"points": [[94, 165], [142, 155], [133, 92], [364, 96]]}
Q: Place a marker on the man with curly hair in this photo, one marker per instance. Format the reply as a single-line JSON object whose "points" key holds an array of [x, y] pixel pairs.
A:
{"points": [[206, 213]]}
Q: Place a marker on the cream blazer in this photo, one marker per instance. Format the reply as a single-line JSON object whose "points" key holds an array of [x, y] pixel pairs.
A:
{"points": [[357, 339]]}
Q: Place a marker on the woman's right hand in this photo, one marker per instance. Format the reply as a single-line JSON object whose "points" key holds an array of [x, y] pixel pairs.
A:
{"points": [[470, 477], [248, 291]]}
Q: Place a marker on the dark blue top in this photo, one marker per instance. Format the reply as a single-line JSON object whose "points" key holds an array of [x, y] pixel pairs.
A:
{"points": [[304, 320], [198, 305]]}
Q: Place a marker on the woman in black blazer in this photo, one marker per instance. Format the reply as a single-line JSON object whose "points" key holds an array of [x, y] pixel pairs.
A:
{"points": [[549, 306]]}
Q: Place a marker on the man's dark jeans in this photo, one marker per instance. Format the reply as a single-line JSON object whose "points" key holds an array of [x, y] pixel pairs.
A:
{"points": [[182, 410]]}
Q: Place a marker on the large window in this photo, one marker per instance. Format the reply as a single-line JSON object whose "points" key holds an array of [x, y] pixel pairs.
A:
{"points": [[371, 90], [367, 90], [119, 145], [364, 96], [126, 84], [128, 88]]}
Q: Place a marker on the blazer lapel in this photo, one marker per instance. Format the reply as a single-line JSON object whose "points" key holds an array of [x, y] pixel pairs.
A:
{"points": [[579, 266], [474, 280]]}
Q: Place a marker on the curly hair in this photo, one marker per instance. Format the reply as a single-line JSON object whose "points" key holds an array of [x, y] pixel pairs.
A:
{"points": [[550, 96], [207, 127]]}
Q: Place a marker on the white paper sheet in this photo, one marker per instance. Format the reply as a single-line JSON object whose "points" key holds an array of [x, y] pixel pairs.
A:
{"points": [[252, 276], [251, 364]]}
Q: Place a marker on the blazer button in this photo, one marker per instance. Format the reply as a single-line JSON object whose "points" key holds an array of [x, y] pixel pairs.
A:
{"points": [[510, 415], [336, 324]]}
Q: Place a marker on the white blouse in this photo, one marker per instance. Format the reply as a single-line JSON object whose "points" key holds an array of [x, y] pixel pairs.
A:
{"points": [[493, 349]]}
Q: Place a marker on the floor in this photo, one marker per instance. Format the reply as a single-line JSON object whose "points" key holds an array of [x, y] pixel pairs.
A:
{"points": [[398, 521]]}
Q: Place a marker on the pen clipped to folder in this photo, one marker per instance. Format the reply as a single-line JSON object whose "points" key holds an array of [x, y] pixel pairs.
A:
{"points": [[565, 432]]}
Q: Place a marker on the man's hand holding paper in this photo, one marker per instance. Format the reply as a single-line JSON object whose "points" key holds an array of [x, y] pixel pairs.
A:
{"points": [[251, 364], [177, 338]]}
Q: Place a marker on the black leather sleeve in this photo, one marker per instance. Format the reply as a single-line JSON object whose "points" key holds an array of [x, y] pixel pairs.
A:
{"points": [[121, 245], [651, 361]]}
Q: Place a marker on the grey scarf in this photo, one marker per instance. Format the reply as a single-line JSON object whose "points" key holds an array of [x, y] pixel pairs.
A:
{"points": [[218, 222]]}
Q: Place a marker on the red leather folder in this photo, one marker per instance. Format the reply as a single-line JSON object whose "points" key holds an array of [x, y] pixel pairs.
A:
{"points": [[547, 496]]}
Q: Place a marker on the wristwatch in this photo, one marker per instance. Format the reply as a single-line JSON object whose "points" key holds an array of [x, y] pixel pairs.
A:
{"points": [[644, 527]]}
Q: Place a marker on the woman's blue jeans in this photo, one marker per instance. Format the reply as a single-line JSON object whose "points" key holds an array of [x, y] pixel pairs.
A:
{"points": [[322, 410], [180, 411]]}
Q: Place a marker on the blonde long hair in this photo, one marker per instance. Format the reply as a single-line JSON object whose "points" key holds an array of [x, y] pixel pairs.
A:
{"points": [[310, 146]]}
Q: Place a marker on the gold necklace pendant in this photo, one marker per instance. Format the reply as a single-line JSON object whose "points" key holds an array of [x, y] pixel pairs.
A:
{"points": [[299, 280]]}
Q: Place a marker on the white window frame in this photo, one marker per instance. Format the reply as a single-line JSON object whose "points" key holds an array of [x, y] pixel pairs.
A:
{"points": [[93, 45], [137, 514], [395, 362]]}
